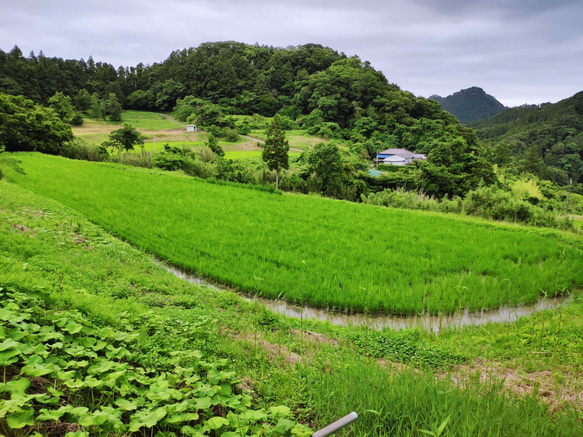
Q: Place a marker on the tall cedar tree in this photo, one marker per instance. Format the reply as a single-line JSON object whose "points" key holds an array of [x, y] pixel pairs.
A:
{"points": [[275, 152]]}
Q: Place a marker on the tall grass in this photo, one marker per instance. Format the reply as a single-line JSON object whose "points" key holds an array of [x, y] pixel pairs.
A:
{"points": [[311, 250], [391, 401]]}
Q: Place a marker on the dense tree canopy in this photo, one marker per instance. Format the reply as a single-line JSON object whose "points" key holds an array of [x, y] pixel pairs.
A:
{"points": [[545, 140], [323, 91], [25, 125]]}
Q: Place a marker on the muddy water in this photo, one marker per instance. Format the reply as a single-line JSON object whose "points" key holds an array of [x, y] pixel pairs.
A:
{"points": [[504, 314]]}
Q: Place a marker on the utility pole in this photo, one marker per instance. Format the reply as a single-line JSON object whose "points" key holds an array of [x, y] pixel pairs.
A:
{"points": [[569, 196]]}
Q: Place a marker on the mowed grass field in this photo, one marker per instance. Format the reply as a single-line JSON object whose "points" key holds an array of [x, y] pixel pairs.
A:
{"points": [[311, 250]]}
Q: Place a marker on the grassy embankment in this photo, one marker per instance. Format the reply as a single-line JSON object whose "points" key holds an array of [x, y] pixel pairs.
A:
{"points": [[92, 286], [317, 251]]}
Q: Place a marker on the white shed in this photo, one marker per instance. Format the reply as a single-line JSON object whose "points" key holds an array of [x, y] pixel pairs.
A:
{"points": [[191, 128]]}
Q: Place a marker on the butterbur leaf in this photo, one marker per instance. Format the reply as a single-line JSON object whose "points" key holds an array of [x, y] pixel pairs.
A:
{"points": [[126, 405], [9, 344], [8, 362], [280, 411], [77, 383], [77, 434], [190, 431], [107, 332], [146, 418], [284, 425], [19, 386], [203, 403], [87, 420], [72, 327], [78, 411], [21, 419], [46, 415], [216, 422], [179, 418], [254, 415]]}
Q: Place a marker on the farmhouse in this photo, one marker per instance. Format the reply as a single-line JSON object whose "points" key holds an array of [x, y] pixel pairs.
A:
{"points": [[398, 157]]}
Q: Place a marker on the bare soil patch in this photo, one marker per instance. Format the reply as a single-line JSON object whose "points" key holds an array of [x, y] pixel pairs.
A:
{"points": [[557, 389]]}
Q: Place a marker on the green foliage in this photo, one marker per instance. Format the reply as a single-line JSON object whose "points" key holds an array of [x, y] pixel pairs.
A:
{"points": [[545, 140], [112, 107], [213, 144], [470, 104], [454, 169], [27, 126], [486, 202], [472, 264], [82, 361], [125, 138], [276, 148], [403, 347], [63, 106], [325, 162], [86, 273]]}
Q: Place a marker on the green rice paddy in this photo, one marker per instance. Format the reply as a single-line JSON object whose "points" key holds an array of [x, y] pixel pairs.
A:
{"points": [[311, 250]]}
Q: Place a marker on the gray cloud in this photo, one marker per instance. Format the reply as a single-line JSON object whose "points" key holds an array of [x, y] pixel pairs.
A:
{"points": [[521, 51]]}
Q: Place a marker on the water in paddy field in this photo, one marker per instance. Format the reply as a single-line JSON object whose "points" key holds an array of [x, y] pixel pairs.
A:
{"points": [[504, 314]]}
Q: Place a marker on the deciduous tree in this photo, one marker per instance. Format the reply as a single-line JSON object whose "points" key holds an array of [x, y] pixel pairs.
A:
{"points": [[125, 138]]}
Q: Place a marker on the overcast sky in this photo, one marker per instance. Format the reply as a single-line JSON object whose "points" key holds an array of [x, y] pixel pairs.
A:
{"points": [[519, 51]]}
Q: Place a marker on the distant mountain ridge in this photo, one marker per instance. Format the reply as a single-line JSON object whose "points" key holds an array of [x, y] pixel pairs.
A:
{"points": [[470, 104]]}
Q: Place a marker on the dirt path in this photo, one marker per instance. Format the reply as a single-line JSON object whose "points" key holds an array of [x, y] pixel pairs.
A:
{"points": [[172, 119]]}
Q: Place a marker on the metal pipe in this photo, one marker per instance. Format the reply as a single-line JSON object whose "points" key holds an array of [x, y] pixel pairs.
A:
{"points": [[333, 427]]}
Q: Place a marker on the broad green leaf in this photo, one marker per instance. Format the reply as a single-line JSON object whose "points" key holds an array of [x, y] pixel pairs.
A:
{"points": [[41, 349], [75, 351], [216, 422], [21, 419], [253, 415], [77, 434], [107, 332], [73, 327], [18, 386], [40, 369], [284, 425], [8, 362], [54, 391], [179, 418], [126, 405], [203, 403], [92, 382], [74, 384], [146, 418], [190, 431], [6, 314], [87, 420], [9, 344], [280, 411], [49, 415]]}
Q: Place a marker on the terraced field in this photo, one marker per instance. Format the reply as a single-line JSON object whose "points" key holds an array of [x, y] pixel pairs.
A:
{"points": [[312, 250]]}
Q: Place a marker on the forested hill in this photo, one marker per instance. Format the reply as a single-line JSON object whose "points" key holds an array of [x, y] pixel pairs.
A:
{"points": [[470, 104], [324, 92], [549, 137]]}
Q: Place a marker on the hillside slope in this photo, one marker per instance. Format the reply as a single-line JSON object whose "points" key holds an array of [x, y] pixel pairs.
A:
{"points": [[546, 138], [470, 104]]}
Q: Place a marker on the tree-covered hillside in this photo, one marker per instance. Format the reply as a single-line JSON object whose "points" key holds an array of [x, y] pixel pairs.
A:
{"points": [[322, 91], [470, 104], [545, 140]]}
